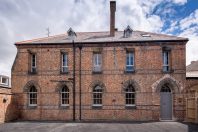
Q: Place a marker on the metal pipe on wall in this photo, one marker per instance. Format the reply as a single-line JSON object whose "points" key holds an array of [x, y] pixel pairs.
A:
{"points": [[80, 48], [74, 81]]}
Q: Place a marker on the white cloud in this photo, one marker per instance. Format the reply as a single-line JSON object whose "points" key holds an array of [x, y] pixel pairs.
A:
{"points": [[20, 20], [180, 2], [189, 21], [189, 25], [173, 26]]}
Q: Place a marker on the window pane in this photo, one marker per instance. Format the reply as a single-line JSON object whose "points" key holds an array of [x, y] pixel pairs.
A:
{"points": [[65, 96], [4, 80], [129, 68], [130, 58], [33, 96], [95, 59], [166, 61], [64, 60], [97, 95], [99, 59], [33, 60], [127, 59], [130, 95], [166, 58]]}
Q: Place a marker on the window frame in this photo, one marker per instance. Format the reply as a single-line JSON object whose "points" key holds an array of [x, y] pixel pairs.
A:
{"points": [[7, 81], [35, 64], [133, 93], [30, 99], [166, 59], [99, 95], [66, 98], [62, 63], [97, 62], [130, 57]]}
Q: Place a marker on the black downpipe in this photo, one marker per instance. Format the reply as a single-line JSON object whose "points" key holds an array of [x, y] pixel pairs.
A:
{"points": [[80, 48], [74, 81]]}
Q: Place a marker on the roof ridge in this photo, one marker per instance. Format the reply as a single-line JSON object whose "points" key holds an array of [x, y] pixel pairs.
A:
{"points": [[58, 35], [84, 35]]}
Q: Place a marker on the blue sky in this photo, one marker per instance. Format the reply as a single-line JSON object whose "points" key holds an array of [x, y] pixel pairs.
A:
{"points": [[27, 19]]}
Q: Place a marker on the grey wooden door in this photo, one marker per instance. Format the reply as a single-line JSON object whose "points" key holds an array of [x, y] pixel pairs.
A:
{"points": [[166, 105]]}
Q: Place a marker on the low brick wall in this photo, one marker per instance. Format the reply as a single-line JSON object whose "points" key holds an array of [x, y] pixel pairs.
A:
{"points": [[8, 109]]}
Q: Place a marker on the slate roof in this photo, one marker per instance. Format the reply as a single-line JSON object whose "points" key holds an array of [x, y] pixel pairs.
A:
{"points": [[98, 37], [193, 66]]}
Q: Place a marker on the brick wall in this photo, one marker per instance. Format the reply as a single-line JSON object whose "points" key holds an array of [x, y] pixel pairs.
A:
{"points": [[148, 76], [7, 107]]}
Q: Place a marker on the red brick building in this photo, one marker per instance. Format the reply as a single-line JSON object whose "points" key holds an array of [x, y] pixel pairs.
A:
{"points": [[113, 75]]}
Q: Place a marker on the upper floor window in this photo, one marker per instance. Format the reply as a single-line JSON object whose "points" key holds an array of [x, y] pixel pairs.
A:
{"points": [[97, 62], [97, 96], [166, 61], [33, 96], [130, 61], [4, 80], [33, 63], [130, 96], [64, 96], [64, 67]]}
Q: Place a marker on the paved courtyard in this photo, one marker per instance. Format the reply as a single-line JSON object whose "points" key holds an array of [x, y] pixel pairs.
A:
{"points": [[98, 127]]}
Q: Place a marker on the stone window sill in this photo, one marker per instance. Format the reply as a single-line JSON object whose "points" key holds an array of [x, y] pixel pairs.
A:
{"points": [[32, 73], [97, 72], [64, 107], [64, 72], [129, 72], [166, 72], [96, 107], [130, 107], [32, 107]]}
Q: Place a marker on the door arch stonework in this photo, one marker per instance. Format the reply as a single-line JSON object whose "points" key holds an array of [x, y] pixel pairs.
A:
{"points": [[175, 86]]}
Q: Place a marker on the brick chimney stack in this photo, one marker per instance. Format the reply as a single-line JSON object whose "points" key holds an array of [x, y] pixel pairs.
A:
{"points": [[112, 17]]}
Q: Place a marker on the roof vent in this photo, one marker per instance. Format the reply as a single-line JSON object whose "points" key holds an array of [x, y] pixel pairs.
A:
{"points": [[71, 33], [146, 35], [127, 32]]}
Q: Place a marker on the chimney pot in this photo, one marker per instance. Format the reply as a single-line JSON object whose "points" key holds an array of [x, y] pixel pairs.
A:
{"points": [[112, 17]]}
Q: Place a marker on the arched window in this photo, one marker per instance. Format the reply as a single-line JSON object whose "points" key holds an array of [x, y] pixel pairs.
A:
{"points": [[130, 96], [165, 88], [97, 96], [33, 96], [64, 96]]}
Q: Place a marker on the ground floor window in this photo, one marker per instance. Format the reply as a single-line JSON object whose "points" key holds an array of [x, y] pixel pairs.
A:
{"points": [[97, 96], [64, 96], [130, 96], [33, 96]]}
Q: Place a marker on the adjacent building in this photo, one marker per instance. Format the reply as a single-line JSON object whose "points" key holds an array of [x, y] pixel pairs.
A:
{"points": [[192, 78], [192, 92], [6, 109], [112, 75]]}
